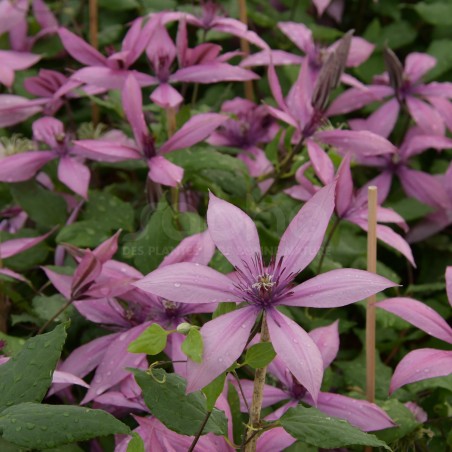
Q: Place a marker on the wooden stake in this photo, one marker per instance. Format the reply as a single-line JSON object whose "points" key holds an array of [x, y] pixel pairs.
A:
{"points": [[245, 47], [372, 203], [370, 312], [94, 40]]}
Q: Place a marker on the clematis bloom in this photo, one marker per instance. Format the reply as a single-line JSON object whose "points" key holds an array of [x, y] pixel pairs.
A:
{"points": [[261, 289]]}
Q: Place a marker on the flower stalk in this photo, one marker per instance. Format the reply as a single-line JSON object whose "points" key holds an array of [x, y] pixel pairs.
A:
{"points": [[258, 395]]}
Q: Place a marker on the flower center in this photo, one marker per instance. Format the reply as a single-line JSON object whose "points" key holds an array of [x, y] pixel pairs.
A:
{"points": [[264, 282]]}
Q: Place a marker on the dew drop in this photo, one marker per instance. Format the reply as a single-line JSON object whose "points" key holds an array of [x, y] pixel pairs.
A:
{"points": [[99, 391], [220, 360], [18, 429], [177, 284], [244, 325], [30, 426], [295, 341]]}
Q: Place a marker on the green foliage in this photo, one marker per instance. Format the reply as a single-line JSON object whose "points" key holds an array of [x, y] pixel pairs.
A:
{"points": [[45, 426], [165, 396], [260, 355], [151, 341], [193, 345], [316, 428]]}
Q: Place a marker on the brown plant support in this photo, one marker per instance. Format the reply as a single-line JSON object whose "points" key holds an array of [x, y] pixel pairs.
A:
{"points": [[370, 311], [245, 47]]}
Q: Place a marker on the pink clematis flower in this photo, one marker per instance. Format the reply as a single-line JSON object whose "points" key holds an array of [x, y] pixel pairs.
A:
{"points": [[247, 129], [441, 201], [12, 247], [24, 166], [360, 413], [427, 104], [209, 19], [12, 13], [315, 54], [304, 108], [422, 186], [424, 363], [108, 72], [144, 148], [203, 64], [14, 61], [137, 312], [18, 35], [261, 289], [350, 206]]}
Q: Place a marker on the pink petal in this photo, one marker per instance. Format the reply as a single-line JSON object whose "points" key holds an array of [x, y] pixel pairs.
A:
{"points": [[48, 130], [381, 121], [164, 172], [297, 350], [66, 377], [304, 236], [15, 246], [275, 88], [327, 340], [113, 367], [80, 49], [424, 187], [419, 315], [74, 175], [224, 339], [426, 117], [132, 102], [275, 57], [362, 414], [18, 61], [321, 6], [360, 51], [420, 365], [24, 166], [385, 215], [16, 109], [234, 233], [107, 249], [444, 108], [391, 238], [196, 129], [356, 98], [189, 283], [63, 283], [104, 311], [449, 284], [11, 14], [299, 34], [213, 73], [166, 96], [337, 288], [417, 65], [106, 151], [275, 439], [358, 142], [322, 164], [44, 15], [10, 274], [430, 225], [198, 248], [420, 142]]}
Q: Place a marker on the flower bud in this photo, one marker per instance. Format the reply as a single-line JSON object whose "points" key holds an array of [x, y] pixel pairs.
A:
{"points": [[184, 328]]}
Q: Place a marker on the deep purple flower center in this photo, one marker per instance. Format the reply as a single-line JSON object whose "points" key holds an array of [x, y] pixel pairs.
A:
{"points": [[263, 286]]}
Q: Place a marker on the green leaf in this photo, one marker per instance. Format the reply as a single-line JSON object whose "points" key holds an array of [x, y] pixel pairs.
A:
{"points": [[193, 345], [224, 308], [162, 233], [13, 345], [402, 416], [119, 5], [26, 377], [84, 234], [213, 390], [47, 307], [442, 50], [439, 13], [43, 206], [260, 355], [136, 443], [45, 426], [109, 212], [151, 341], [316, 428], [183, 413]]}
